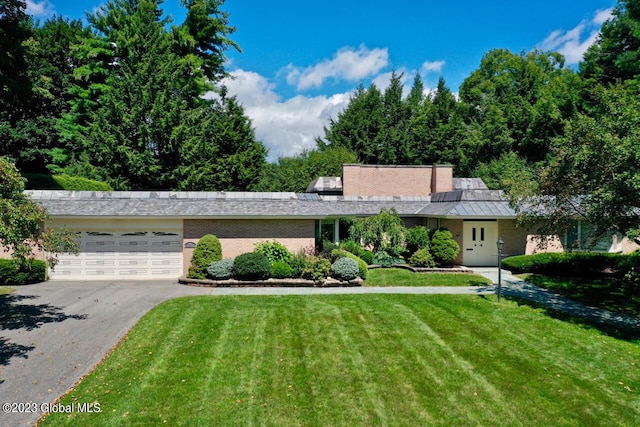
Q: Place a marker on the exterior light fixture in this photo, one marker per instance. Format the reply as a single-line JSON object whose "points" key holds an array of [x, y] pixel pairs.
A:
{"points": [[500, 244]]}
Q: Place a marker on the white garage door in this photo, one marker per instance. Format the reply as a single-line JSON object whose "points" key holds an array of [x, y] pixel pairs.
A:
{"points": [[125, 254]]}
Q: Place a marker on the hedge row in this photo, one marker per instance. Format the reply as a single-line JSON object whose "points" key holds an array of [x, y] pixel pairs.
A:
{"points": [[571, 264], [36, 273], [38, 181]]}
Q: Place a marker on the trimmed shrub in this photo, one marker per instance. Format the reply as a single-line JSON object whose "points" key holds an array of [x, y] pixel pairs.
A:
{"points": [[367, 256], [363, 268], [316, 268], [38, 181], [36, 272], [281, 270], [222, 269], [353, 247], [416, 238], [274, 251], [345, 269], [444, 248], [422, 258], [583, 264], [207, 251], [251, 266]]}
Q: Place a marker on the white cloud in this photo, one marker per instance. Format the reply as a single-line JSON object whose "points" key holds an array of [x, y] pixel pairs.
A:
{"points": [[601, 16], [43, 9], [575, 42], [286, 127], [432, 67], [348, 63]]}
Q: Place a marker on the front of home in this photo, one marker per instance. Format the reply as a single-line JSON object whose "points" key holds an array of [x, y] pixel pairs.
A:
{"points": [[152, 234]]}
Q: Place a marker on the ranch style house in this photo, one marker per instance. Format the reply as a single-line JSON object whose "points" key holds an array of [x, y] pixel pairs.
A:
{"points": [[152, 234]]}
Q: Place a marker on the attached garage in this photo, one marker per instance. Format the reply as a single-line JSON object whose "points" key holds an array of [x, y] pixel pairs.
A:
{"points": [[120, 249]]}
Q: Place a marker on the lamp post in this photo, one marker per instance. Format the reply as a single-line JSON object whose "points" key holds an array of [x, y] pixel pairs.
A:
{"points": [[500, 244]]}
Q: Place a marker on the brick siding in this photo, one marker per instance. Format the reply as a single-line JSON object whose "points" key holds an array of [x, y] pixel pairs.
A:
{"points": [[238, 236], [514, 238]]}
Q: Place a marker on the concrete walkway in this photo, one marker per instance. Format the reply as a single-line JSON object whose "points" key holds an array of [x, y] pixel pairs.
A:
{"points": [[515, 287], [52, 334]]}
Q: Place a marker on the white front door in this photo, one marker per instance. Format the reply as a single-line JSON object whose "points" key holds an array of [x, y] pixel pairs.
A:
{"points": [[479, 243]]}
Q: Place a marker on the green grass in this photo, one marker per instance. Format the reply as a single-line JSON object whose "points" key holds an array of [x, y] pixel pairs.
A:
{"points": [[360, 360], [610, 294], [4, 290], [403, 277]]}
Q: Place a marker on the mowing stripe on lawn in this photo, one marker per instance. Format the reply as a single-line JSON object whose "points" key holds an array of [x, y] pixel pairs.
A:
{"points": [[492, 399], [360, 360], [213, 360], [360, 369]]}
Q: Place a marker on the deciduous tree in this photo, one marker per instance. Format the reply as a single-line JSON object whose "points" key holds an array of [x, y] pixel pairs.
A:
{"points": [[22, 222]]}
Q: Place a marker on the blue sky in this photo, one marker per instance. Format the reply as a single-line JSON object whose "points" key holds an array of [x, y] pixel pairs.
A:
{"points": [[301, 60]]}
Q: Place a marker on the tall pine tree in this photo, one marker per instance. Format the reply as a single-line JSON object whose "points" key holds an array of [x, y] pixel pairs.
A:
{"points": [[140, 112]]}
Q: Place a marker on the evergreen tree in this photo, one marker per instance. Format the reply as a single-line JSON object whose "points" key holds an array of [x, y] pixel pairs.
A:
{"points": [[15, 84], [226, 156], [15, 30], [615, 57], [51, 68], [139, 115], [391, 141], [358, 125]]}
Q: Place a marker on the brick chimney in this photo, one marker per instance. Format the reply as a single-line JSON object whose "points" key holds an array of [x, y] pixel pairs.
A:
{"points": [[441, 178], [383, 180]]}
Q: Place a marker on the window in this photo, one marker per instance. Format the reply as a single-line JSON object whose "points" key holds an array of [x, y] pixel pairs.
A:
{"points": [[326, 230], [581, 236]]}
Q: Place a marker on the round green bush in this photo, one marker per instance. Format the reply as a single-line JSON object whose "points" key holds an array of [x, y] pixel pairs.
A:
{"points": [[274, 251], [345, 269], [363, 268], [251, 266], [444, 248], [207, 251], [281, 270], [417, 238], [422, 258], [316, 268], [221, 270]]}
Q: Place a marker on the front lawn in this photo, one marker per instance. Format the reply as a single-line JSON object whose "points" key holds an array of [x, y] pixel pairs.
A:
{"points": [[610, 294], [359, 360], [4, 290], [403, 277]]}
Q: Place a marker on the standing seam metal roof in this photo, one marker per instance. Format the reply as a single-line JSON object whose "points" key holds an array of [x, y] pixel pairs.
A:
{"points": [[252, 205]]}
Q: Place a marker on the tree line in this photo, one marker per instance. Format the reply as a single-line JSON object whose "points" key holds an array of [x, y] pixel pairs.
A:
{"points": [[122, 99]]}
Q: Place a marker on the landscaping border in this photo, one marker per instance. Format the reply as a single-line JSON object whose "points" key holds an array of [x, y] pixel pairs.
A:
{"points": [[269, 283]]}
